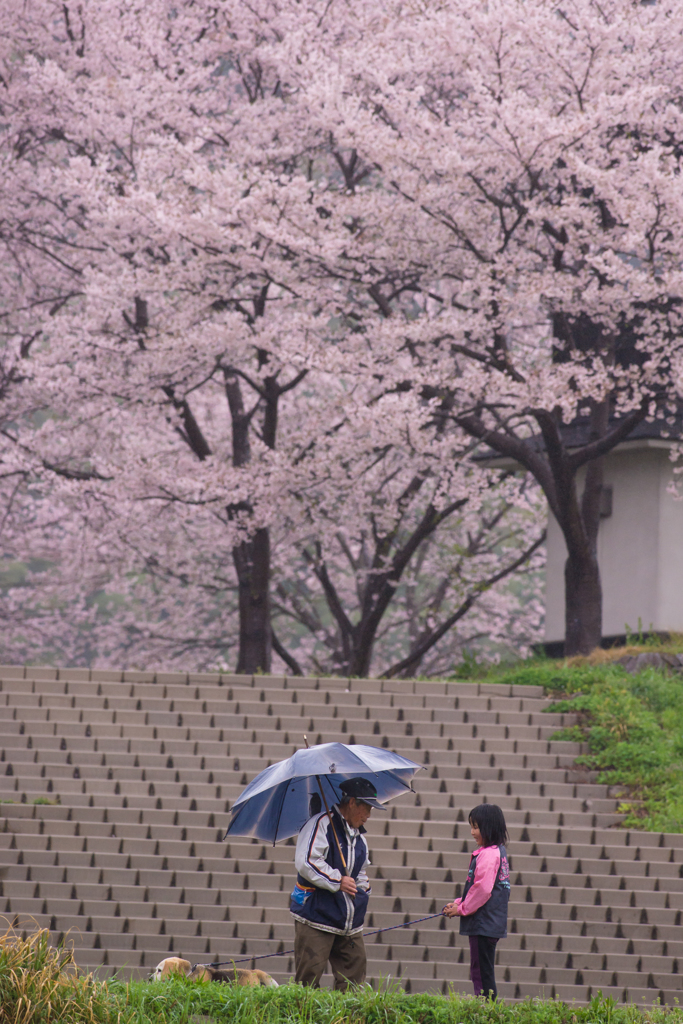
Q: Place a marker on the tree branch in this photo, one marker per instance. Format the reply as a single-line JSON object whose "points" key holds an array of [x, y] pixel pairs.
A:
{"points": [[415, 656], [515, 448], [289, 661], [595, 449], [331, 596]]}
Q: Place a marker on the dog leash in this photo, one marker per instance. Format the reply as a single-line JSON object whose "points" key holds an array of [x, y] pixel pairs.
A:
{"points": [[288, 952]]}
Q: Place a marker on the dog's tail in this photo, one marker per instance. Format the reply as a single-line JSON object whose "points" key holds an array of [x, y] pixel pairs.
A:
{"points": [[265, 979]]}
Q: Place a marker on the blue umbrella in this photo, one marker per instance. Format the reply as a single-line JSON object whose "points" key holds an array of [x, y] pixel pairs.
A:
{"points": [[284, 796]]}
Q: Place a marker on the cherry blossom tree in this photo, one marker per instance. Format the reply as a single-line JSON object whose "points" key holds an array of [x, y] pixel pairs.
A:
{"points": [[109, 110], [507, 201], [388, 571]]}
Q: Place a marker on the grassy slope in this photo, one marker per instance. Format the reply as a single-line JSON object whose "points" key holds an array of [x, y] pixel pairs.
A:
{"points": [[38, 985], [633, 726]]}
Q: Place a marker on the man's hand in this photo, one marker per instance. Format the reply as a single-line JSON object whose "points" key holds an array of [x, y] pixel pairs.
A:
{"points": [[348, 885], [452, 910]]}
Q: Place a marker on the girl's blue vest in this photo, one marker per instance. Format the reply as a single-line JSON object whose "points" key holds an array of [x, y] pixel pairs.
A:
{"points": [[333, 911], [492, 918]]}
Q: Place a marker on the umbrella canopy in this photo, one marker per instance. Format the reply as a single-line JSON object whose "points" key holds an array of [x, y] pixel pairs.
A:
{"points": [[284, 796]]}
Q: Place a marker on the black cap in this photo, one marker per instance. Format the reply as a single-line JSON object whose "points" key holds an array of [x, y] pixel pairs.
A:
{"points": [[362, 789]]}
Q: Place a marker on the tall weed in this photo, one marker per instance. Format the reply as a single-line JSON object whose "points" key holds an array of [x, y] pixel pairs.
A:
{"points": [[39, 984]]}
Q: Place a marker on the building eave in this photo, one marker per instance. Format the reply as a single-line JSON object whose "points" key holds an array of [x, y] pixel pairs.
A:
{"points": [[633, 445]]}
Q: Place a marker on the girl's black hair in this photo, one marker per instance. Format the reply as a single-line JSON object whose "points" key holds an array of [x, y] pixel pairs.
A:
{"points": [[489, 819]]}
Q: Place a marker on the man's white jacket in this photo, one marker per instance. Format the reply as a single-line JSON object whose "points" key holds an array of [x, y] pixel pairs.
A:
{"points": [[316, 899]]}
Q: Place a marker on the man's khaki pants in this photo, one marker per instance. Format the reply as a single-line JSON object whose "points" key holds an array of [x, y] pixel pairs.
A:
{"points": [[313, 948]]}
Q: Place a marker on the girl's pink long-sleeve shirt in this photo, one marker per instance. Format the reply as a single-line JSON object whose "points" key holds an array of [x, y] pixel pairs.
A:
{"points": [[488, 863]]}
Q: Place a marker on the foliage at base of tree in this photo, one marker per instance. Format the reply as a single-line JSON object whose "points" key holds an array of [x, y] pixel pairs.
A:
{"points": [[40, 984], [631, 724]]}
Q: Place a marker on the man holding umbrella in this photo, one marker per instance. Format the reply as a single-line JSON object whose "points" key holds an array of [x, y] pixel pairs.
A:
{"points": [[330, 897]]}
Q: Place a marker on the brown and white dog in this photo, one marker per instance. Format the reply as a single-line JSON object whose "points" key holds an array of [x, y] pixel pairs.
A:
{"points": [[175, 965]]}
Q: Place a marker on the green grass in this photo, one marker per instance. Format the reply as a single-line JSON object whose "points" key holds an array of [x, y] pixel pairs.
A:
{"points": [[38, 800], [293, 1004], [40, 985], [632, 725]]}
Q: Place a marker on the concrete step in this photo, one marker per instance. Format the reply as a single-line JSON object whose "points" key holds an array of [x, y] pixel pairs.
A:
{"points": [[146, 767]]}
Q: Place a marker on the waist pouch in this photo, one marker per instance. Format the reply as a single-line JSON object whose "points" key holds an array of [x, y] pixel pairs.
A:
{"points": [[299, 895]]}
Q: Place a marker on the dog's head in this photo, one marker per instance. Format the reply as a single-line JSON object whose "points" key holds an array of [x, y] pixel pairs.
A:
{"points": [[170, 966]]}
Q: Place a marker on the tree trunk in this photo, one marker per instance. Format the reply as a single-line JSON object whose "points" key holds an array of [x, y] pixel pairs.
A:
{"points": [[252, 564], [583, 604], [359, 663], [582, 586], [555, 470], [251, 557]]}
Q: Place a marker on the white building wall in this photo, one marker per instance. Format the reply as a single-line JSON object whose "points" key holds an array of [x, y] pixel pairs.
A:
{"points": [[670, 577], [640, 547]]}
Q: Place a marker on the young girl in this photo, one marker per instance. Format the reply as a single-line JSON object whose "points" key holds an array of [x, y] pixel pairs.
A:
{"points": [[483, 907]]}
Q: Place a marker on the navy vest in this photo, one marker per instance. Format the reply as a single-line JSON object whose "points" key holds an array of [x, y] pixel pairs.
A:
{"points": [[492, 918], [333, 911]]}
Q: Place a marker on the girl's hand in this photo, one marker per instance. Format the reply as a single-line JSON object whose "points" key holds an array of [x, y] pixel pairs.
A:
{"points": [[451, 910]]}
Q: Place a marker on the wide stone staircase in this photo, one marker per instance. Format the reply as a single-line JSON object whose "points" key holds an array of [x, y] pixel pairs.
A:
{"points": [[115, 792]]}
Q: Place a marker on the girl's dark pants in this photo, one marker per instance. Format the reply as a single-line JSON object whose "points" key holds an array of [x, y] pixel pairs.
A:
{"points": [[482, 965]]}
